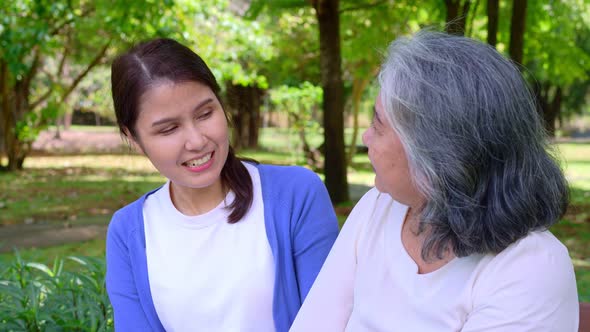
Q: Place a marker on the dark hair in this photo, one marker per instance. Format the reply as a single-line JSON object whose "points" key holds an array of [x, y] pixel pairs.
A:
{"points": [[148, 63], [475, 143]]}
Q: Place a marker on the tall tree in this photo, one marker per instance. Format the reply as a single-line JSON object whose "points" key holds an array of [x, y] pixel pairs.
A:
{"points": [[493, 13], [328, 18], [327, 12], [517, 27]]}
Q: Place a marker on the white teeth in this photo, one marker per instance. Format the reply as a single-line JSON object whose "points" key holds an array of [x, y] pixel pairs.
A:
{"points": [[198, 162]]}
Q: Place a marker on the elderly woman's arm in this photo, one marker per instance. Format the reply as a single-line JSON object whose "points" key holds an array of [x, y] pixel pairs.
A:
{"points": [[329, 303], [532, 289]]}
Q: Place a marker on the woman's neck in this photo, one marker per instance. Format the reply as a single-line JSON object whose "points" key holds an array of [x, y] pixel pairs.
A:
{"points": [[413, 240], [196, 201]]}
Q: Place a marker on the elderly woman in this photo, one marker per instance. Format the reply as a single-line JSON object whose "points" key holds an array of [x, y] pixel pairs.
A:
{"points": [[454, 236]]}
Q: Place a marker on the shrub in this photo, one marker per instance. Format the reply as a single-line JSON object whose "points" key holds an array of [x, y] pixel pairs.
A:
{"points": [[34, 297]]}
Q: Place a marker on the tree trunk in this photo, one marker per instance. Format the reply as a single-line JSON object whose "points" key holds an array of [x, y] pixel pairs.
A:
{"points": [[15, 149], [493, 10], [57, 130], [333, 101], [517, 27], [67, 119], [4, 109], [15, 110], [244, 103], [457, 16], [255, 120], [358, 86], [552, 110], [549, 100]]}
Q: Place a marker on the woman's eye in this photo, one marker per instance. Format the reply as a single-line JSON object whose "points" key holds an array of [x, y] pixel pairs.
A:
{"points": [[167, 130], [205, 115]]}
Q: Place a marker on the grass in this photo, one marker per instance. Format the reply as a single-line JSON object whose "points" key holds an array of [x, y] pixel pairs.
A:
{"points": [[93, 129], [89, 188], [54, 188]]}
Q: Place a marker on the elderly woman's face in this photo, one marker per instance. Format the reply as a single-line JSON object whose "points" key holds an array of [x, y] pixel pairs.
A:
{"points": [[388, 158]]}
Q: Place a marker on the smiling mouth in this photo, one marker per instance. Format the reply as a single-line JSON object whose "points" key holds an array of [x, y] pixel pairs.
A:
{"points": [[198, 162]]}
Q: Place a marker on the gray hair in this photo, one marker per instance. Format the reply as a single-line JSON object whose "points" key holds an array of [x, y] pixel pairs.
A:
{"points": [[475, 144]]}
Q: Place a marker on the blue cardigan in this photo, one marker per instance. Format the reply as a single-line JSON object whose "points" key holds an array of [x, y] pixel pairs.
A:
{"points": [[300, 226]]}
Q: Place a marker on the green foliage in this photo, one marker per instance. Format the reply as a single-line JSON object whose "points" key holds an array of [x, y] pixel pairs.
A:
{"points": [[368, 30], [236, 49], [94, 93], [556, 45], [295, 41], [300, 103], [35, 297], [28, 128]]}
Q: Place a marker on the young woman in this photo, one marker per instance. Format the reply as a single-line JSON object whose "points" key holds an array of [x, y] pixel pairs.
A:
{"points": [[454, 236], [224, 244]]}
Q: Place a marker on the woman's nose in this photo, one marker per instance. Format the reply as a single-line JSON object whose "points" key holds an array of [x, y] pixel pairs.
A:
{"points": [[194, 140]]}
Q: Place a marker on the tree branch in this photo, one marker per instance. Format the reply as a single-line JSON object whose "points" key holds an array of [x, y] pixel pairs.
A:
{"points": [[3, 94], [34, 67], [366, 6], [41, 99], [85, 72], [62, 62]]}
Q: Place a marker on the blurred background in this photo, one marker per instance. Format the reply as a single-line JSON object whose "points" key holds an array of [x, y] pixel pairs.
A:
{"points": [[298, 78]]}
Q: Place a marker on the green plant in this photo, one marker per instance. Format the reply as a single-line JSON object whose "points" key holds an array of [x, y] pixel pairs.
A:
{"points": [[35, 297]]}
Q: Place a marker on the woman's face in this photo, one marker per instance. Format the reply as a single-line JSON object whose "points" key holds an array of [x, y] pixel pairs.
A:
{"points": [[182, 129], [388, 158]]}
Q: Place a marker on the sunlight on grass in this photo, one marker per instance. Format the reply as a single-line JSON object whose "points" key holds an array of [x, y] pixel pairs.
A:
{"points": [[131, 163], [574, 151], [91, 129]]}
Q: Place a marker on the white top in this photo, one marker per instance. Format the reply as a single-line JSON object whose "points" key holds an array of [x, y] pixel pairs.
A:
{"points": [[370, 283], [206, 274]]}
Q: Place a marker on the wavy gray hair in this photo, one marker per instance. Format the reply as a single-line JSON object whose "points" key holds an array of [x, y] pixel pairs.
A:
{"points": [[475, 143]]}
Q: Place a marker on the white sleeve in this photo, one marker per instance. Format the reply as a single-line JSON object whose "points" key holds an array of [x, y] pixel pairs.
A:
{"points": [[532, 289], [328, 304]]}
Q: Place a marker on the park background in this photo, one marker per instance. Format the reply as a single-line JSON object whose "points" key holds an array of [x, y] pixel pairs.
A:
{"points": [[298, 78]]}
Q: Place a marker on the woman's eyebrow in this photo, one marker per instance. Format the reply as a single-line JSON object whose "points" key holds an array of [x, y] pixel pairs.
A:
{"points": [[163, 121], [203, 103]]}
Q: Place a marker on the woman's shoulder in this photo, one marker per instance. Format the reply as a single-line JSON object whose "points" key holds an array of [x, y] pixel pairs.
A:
{"points": [[529, 283], [538, 262], [129, 218], [539, 246]]}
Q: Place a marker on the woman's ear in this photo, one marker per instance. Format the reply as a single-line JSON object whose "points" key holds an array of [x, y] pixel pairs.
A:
{"points": [[132, 142]]}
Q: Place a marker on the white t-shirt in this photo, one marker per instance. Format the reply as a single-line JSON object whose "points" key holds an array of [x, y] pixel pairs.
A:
{"points": [[206, 274], [370, 283]]}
